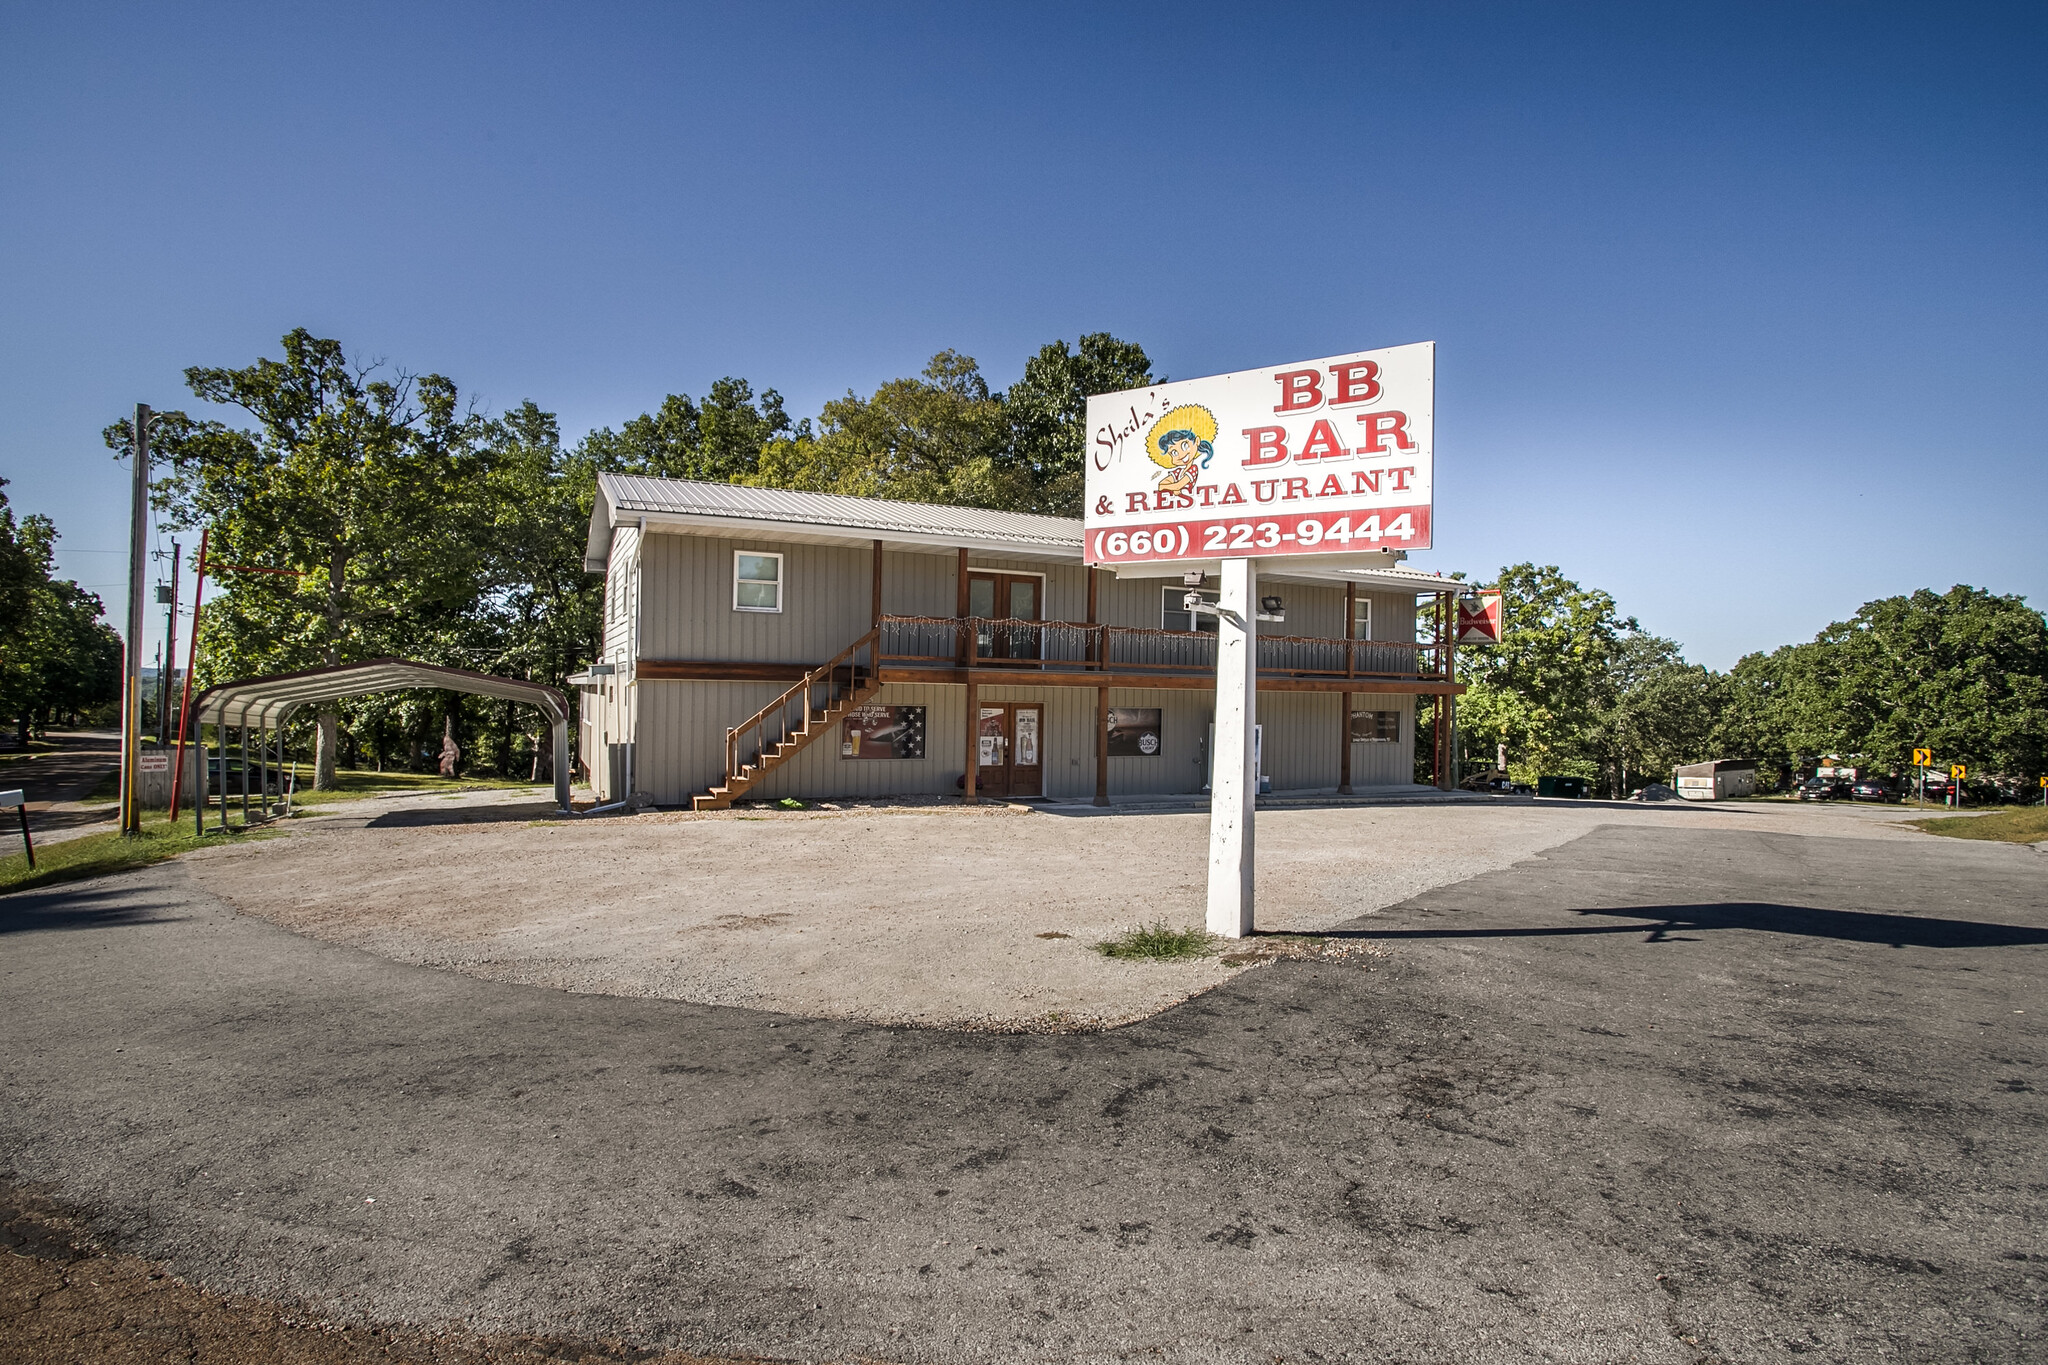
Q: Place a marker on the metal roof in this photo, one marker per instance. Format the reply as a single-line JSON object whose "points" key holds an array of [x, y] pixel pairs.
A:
{"points": [[269, 701], [625, 497]]}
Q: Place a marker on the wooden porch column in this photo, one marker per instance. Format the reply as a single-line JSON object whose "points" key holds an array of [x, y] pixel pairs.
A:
{"points": [[963, 643], [973, 729], [1344, 714], [1101, 743], [877, 585]]}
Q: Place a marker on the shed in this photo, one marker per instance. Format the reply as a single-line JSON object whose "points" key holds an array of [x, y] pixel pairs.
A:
{"points": [[1718, 780]]}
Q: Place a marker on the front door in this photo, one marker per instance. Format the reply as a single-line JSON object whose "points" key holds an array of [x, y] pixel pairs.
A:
{"points": [[1010, 597], [1010, 759]]}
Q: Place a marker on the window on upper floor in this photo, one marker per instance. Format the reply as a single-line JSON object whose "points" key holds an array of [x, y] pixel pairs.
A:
{"points": [[756, 581], [1361, 618]]}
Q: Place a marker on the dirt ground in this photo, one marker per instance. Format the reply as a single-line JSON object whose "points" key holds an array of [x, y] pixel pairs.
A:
{"points": [[947, 916], [65, 1300]]}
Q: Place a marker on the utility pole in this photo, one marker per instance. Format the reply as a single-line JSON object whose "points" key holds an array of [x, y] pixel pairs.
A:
{"points": [[163, 707], [131, 673]]}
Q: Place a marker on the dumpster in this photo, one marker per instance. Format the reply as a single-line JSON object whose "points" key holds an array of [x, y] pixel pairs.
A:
{"points": [[1571, 788]]}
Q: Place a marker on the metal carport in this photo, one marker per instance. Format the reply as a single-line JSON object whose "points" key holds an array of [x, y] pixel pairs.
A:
{"points": [[265, 704]]}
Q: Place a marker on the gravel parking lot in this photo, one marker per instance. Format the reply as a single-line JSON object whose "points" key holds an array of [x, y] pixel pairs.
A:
{"points": [[934, 915]]}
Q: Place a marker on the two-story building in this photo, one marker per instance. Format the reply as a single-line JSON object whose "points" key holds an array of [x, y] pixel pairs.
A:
{"points": [[762, 643]]}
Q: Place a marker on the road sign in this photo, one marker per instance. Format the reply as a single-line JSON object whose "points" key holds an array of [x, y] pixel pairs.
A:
{"points": [[1322, 457], [1957, 772], [1923, 758], [1479, 618]]}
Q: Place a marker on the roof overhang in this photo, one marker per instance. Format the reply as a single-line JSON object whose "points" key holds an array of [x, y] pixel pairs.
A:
{"points": [[272, 700], [597, 550]]}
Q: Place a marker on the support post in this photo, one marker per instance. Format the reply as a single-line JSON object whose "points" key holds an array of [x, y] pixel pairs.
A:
{"points": [[963, 642], [877, 587], [199, 796], [242, 733], [169, 671], [1094, 637], [263, 768], [561, 737], [1101, 745], [973, 730], [1344, 698], [1234, 777]]}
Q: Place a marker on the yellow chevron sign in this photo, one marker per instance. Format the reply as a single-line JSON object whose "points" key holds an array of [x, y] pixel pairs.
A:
{"points": [[1923, 758]]}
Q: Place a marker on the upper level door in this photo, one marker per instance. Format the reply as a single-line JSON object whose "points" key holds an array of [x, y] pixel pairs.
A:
{"points": [[1007, 597]]}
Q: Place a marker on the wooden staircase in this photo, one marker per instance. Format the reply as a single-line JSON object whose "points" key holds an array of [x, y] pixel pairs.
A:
{"points": [[759, 745]]}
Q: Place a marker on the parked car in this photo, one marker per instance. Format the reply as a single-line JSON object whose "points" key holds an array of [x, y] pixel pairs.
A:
{"points": [[1874, 789], [1826, 789]]}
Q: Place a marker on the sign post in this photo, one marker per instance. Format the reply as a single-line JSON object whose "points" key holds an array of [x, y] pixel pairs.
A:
{"points": [[1921, 759], [1331, 460], [1956, 773]]}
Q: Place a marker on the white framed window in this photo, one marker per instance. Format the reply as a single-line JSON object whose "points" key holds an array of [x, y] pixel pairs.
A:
{"points": [[756, 580], [1361, 618]]}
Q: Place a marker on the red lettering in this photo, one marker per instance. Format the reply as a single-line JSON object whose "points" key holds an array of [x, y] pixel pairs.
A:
{"points": [[1401, 477], [1208, 492], [1135, 502], [1365, 481], [1331, 488], [1296, 488], [1268, 445], [1263, 489], [1379, 426], [1358, 382], [1300, 390], [1231, 495], [1322, 443]]}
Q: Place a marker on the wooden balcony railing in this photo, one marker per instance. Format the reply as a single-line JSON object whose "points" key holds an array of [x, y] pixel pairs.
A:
{"points": [[1072, 646]]}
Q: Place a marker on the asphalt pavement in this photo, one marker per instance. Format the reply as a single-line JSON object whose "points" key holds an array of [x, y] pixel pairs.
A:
{"points": [[1658, 1095]]}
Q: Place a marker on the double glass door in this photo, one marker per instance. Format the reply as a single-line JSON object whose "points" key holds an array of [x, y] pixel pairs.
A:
{"points": [[1009, 758], [1009, 597]]}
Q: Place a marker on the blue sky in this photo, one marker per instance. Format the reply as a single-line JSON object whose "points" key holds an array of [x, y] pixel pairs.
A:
{"points": [[1740, 310]]}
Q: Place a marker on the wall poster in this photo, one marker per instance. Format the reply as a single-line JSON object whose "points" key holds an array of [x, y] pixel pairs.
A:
{"points": [[1134, 732], [883, 732]]}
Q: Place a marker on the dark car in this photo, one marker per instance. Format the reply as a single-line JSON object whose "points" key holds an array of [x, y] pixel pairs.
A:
{"points": [[1874, 789], [1826, 789]]}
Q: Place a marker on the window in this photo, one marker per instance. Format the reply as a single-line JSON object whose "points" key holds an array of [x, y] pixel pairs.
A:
{"points": [[756, 581], [1377, 727], [1361, 618], [1174, 613]]}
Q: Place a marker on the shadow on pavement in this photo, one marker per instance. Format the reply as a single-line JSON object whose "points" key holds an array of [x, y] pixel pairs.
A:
{"points": [[71, 909], [1668, 923], [420, 818]]}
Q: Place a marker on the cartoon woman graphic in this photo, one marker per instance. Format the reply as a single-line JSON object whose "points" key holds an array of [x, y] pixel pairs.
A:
{"points": [[1182, 443]]}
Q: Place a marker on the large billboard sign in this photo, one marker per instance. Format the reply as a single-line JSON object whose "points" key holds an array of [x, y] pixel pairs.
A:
{"points": [[1320, 457]]}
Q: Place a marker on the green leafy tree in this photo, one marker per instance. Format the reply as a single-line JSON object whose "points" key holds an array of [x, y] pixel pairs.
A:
{"points": [[365, 486], [57, 656], [719, 442], [1048, 413]]}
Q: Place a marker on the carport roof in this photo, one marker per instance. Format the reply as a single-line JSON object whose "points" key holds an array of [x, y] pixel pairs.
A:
{"points": [[266, 701]]}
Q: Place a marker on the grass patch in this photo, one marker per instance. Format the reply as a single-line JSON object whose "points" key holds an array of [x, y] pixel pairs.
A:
{"points": [[350, 785], [2024, 826], [1157, 942], [95, 855]]}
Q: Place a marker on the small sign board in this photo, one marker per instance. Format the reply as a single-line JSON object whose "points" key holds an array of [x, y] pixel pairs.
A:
{"points": [[873, 732], [153, 762], [1923, 758], [1318, 457], [1134, 731], [1957, 772], [1479, 618]]}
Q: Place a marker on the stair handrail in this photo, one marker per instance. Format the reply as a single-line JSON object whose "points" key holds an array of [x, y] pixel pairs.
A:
{"points": [[848, 658]]}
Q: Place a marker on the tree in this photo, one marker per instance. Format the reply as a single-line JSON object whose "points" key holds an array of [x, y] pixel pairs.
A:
{"points": [[1048, 412], [719, 442], [1545, 689], [57, 655], [365, 486]]}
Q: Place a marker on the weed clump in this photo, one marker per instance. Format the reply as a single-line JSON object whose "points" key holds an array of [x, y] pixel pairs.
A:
{"points": [[1158, 942]]}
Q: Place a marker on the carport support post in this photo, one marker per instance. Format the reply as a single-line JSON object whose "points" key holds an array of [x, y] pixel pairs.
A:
{"points": [[199, 796], [562, 763], [242, 732], [1234, 778]]}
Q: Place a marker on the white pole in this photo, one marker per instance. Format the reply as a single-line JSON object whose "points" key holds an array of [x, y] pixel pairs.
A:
{"points": [[1234, 778]]}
